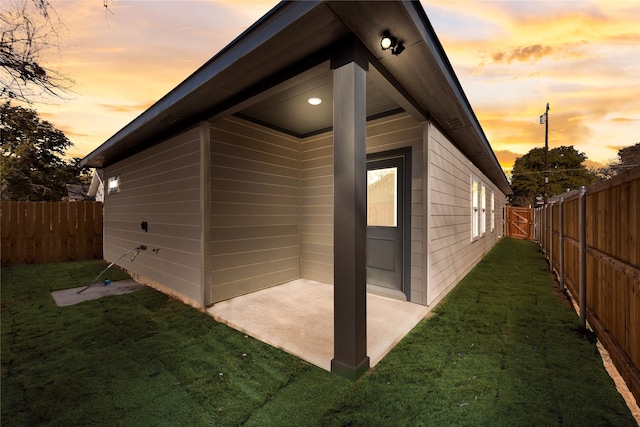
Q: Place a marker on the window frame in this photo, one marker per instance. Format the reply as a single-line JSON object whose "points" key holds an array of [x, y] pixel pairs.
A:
{"points": [[483, 210], [475, 208], [493, 212]]}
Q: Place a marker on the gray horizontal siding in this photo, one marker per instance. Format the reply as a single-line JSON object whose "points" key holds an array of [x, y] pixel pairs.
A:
{"points": [[316, 208], [255, 208], [161, 186], [452, 251], [316, 187]]}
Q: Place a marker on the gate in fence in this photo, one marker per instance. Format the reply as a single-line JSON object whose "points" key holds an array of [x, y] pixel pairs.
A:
{"points": [[519, 222]]}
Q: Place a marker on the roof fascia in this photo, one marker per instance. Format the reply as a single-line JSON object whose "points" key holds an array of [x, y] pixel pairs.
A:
{"points": [[423, 25], [251, 39]]}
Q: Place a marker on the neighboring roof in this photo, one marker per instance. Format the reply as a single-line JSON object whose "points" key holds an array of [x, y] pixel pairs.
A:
{"points": [[78, 192], [298, 36]]}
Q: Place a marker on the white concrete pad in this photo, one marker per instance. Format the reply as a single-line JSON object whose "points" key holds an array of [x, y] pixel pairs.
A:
{"points": [[68, 297], [297, 317]]}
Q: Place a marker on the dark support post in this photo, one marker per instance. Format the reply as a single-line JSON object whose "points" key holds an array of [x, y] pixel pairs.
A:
{"points": [[561, 242], [350, 228], [582, 242]]}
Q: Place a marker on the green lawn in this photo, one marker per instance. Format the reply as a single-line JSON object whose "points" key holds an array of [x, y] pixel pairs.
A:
{"points": [[502, 349]]}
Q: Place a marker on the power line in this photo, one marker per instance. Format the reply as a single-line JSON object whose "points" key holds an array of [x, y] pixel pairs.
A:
{"points": [[550, 171]]}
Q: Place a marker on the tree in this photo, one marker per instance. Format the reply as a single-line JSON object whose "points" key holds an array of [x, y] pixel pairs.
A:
{"points": [[27, 28], [32, 163], [628, 157], [566, 171]]}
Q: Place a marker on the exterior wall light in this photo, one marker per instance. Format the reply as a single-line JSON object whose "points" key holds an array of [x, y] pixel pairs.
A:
{"points": [[314, 101], [113, 184], [388, 42]]}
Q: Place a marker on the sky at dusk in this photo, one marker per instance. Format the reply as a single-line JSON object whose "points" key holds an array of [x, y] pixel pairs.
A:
{"points": [[511, 57]]}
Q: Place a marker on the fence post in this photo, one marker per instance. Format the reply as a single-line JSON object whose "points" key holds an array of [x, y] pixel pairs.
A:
{"points": [[561, 242], [551, 236], [539, 225], [544, 229], [582, 240]]}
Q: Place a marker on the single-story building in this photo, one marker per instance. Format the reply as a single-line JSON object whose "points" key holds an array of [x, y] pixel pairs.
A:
{"points": [[256, 170]]}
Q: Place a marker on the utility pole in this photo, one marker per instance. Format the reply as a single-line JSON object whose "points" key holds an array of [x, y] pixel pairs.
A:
{"points": [[544, 119]]}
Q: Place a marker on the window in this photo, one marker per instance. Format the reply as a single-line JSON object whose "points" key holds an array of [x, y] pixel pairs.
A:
{"points": [[483, 212], [382, 197], [474, 207], [493, 213]]}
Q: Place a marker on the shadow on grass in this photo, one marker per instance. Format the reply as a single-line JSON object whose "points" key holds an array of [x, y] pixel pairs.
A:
{"points": [[502, 349]]}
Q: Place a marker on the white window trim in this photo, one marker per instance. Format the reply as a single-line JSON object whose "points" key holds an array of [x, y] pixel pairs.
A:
{"points": [[493, 212], [475, 195], [483, 210]]}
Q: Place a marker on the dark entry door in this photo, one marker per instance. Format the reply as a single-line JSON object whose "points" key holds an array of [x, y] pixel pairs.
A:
{"points": [[386, 198]]}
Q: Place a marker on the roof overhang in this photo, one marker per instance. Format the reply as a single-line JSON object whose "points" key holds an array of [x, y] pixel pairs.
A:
{"points": [[296, 37]]}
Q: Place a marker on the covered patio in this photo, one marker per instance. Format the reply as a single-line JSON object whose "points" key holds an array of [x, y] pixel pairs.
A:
{"points": [[297, 317]]}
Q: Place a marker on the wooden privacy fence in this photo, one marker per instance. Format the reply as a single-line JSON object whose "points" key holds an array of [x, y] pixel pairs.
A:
{"points": [[519, 222], [592, 240], [39, 232]]}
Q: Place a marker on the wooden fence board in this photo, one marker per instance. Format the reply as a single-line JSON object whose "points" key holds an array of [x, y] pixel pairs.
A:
{"points": [[21, 241], [13, 236], [612, 263], [55, 231], [30, 233], [64, 231], [46, 232], [80, 231], [72, 230], [88, 225], [4, 233], [39, 232]]}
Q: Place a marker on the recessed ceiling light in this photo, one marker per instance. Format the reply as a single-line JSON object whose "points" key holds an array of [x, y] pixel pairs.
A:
{"points": [[314, 101]]}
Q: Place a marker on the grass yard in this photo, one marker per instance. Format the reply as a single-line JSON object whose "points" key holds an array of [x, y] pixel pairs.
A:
{"points": [[502, 349]]}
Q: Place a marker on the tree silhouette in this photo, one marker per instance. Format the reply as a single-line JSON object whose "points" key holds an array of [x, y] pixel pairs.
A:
{"points": [[566, 171], [27, 29], [32, 163]]}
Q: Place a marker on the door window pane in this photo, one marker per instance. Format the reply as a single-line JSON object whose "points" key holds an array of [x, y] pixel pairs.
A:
{"points": [[382, 197]]}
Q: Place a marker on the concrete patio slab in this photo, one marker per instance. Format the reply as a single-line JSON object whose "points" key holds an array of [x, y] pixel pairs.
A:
{"points": [[297, 317], [68, 297]]}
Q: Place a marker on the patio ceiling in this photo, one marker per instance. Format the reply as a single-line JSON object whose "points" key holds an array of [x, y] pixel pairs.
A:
{"points": [[287, 109]]}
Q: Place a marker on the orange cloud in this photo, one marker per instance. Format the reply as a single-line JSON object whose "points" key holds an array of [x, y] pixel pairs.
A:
{"points": [[506, 158], [126, 108], [623, 119], [522, 54], [616, 148], [590, 164], [71, 133]]}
